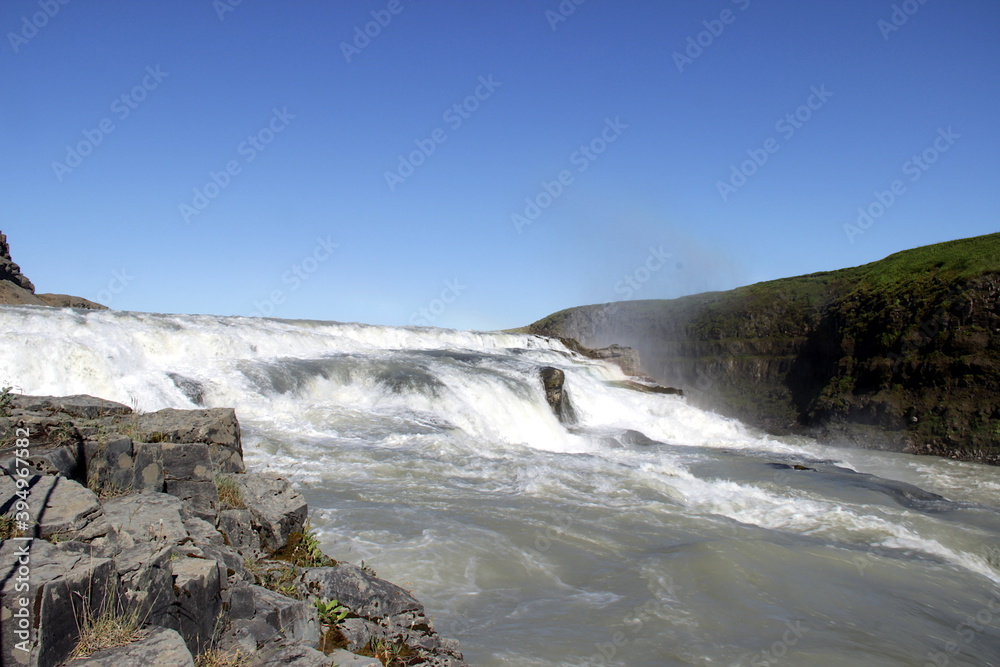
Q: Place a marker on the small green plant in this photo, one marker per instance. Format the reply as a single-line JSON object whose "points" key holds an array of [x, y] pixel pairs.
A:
{"points": [[130, 427], [8, 528], [281, 579], [331, 612], [6, 401], [110, 628], [303, 550], [63, 432], [219, 658], [390, 654], [230, 496], [106, 489]]}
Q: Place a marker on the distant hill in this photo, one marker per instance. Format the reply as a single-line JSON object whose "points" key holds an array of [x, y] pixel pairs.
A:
{"points": [[16, 289], [903, 353]]}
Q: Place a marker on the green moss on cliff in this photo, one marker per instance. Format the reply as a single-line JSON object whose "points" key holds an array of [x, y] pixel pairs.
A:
{"points": [[908, 347]]}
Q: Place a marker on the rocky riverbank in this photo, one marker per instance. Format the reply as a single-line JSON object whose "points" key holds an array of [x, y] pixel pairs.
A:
{"points": [[140, 539]]}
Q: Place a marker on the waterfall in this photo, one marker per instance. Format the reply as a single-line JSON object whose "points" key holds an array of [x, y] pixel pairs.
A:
{"points": [[648, 532]]}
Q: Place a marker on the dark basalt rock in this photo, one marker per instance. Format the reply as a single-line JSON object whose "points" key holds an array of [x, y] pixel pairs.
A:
{"points": [[553, 381], [9, 270], [139, 530], [648, 387], [82, 406], [626, 358], [62, 581], [158, 646], [218, 428]]}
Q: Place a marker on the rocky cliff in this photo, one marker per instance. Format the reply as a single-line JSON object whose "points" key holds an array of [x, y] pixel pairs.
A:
{"points": [[10, 271], [903, 353], [17, 290], [138, 539]]}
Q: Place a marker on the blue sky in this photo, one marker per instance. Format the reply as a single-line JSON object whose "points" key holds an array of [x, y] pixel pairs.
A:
{"points": [[483, 164]]}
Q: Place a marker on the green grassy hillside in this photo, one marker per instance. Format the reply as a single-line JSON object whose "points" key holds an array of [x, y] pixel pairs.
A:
{"points": [[902, 352]]}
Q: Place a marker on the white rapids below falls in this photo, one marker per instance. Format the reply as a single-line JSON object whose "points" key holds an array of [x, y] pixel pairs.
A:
{"points": [[433, 456]]}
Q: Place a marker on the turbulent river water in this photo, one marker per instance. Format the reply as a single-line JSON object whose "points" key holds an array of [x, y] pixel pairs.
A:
{"points": [[651, 533]]}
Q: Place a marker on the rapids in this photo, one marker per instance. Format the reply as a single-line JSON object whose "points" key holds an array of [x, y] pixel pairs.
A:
{"points": [[432, 456]]}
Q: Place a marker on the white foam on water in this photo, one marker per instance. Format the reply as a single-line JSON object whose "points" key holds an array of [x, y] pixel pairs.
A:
{"points": [[449, 424]]}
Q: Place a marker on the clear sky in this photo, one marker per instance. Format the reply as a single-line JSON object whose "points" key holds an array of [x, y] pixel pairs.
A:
{"points": [[481, 164]]}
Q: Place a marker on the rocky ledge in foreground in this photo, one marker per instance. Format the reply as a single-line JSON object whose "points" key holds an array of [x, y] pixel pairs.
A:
{"points": [[139, 539]]}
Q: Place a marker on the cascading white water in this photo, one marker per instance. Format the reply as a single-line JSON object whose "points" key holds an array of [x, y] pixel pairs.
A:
{"points": [[649, 533]]}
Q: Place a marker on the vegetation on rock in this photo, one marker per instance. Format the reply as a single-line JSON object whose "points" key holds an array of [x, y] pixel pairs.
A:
{"points": [[902, 353]]}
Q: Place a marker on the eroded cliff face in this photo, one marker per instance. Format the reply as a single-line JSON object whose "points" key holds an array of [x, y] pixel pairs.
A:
{"points": [[923, 362], [909, 363]]}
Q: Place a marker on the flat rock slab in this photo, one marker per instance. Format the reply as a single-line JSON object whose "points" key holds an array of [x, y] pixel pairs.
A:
{"points": [[62, 581], [288, 619], [148, 517], [363, 594], [161, 647], [198, 585], [276, 507], [293, 655], [48, 459], [58, 506], [81, 406], [183, 461], [146, 581], [218, 428], [238, 527], [343, 658], [189, 474]]}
